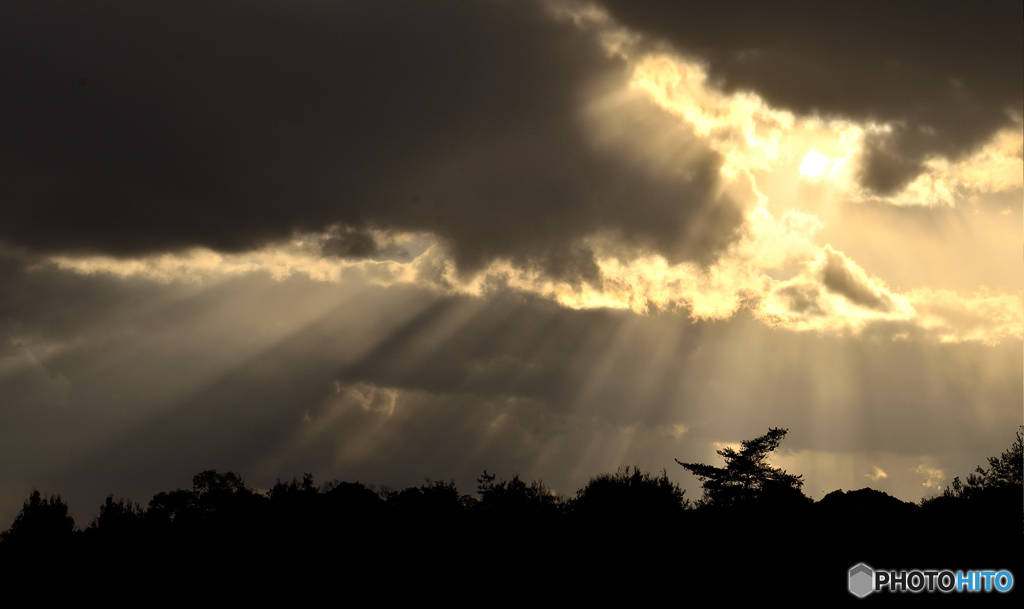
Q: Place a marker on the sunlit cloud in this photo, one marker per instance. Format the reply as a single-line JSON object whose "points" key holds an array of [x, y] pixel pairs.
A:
{"points": [[998, 166], [748, 133], [898, 474], [678, 431], [753, 136], [983, 316], [829, 293], [877, 474], [933, 477], [832, 293], [368, 396], [995, 167], [648, 283], [301, 256]]}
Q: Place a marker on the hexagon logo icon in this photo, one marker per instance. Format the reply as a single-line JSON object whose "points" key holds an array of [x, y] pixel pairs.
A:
{"points": [[861, 577]]}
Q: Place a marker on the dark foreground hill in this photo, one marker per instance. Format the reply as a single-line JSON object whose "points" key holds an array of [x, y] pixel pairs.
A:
{"points": [[627, 537], [622, 541]]}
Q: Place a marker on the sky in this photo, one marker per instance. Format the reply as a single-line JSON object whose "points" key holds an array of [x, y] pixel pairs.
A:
{"points": [[394, 241]]}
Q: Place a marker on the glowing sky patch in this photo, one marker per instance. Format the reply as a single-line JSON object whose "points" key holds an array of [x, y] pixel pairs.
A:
{"points": [[755, 140], [815, 164]]}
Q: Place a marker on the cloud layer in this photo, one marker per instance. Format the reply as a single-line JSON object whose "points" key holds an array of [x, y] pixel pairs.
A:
{"points": [[945, 80], [141, 128]]}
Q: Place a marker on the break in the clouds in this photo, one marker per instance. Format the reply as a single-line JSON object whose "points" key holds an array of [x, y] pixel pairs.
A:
{"points": [[390, 240], [943, 79]]}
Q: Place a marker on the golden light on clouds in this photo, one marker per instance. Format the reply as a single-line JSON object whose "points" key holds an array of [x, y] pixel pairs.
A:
{"points": [[776, 268], [933, 477], [877, 474], [832, 293], [752, 136], [998, 166], [748, 133], [983, 316], [849, 469], [580, 246], [301, 256]]}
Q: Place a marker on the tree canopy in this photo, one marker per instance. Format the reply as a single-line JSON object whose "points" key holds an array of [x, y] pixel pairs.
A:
{"points": [[632, 495], [516, 499], [747, 478], [43, 520], [1004, 472]]}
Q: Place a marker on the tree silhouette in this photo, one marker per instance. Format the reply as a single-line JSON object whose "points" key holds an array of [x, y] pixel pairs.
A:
{"points": [[630, 496], [42, 521], [515, 499], [436, 501], [215, 497], [118, 518], [993, 493], [175, 506], [747, 478], [1004, 471]]}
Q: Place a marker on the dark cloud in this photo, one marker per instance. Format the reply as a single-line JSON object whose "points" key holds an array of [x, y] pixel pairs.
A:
{"points": [[944, 74], [803, 299], [350, 244], [573, 265], [885, 166], [347, 242], [838, 279], [137, 127]]}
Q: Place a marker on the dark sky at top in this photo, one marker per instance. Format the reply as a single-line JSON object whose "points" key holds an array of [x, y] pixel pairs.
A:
{"points": [[138, 127]]}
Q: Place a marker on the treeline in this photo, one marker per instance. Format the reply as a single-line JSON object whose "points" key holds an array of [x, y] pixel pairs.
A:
{"points": [[750, 517], [223, 501]]}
